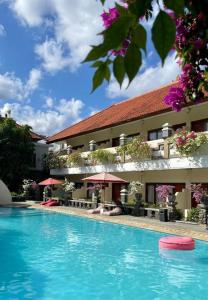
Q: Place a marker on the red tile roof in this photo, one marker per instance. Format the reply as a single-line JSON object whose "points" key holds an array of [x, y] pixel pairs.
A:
{"points": [[136, 108], [37, 137]]}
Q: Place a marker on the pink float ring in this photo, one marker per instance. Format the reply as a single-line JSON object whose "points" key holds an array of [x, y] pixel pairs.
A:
{"points": [[177, 243]]}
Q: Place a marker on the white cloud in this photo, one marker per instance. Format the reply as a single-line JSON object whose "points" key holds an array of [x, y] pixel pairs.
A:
{"points": [[76, 24], [52, 55], [13, 88], [34, 78], [49, 121], [31, 12], [151, 78], [49, 102], [2, 30]]}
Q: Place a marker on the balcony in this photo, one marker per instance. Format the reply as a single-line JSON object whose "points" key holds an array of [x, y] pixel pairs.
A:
{"points": [[163, 156]]}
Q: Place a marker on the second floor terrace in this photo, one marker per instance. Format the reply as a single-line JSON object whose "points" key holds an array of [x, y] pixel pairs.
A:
{"points": [[182, 150]]}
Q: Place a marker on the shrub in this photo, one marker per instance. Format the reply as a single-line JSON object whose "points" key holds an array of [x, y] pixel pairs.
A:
{"points": [[74, 159], [51, 161], [102, 156], [137, 149], [193, 215], [135, 187]]}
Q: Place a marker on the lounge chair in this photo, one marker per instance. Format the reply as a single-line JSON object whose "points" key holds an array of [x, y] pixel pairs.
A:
{"points": [[114, 212], [97, 210]]}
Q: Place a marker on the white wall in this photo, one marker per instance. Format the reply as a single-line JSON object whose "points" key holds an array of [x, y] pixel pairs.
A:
{"points": [[5, 195], [40, 150]]}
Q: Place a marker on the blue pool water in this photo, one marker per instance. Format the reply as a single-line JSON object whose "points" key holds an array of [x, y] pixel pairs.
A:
{"points": [[47, 256]]}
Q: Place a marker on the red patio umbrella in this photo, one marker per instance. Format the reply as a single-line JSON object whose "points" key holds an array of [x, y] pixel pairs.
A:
{"points": [[104, 178], [50, 181]]}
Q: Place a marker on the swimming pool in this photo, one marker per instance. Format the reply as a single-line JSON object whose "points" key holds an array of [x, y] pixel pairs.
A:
{"points": [[48, 256]]}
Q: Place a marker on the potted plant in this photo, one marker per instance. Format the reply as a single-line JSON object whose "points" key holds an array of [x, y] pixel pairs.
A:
{"points": [[27, 188], [96, 196], [200, 195], [69, 187], [163, 193], [135, 188]]}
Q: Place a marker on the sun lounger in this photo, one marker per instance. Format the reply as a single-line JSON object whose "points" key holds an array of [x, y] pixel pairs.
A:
{"points": [[114, 212], [96, 210]]}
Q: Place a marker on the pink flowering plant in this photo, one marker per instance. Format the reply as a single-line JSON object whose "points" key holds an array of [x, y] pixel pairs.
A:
{"points": [[163, 192], [191, 47], [188, 142], [179, 24], [198, 192]]}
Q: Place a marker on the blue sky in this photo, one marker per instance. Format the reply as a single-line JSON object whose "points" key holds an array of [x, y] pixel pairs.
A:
{"points": [[42, 80]]}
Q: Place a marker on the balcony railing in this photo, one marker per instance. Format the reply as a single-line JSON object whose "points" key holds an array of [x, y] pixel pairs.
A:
{"points": [[160, 151]]}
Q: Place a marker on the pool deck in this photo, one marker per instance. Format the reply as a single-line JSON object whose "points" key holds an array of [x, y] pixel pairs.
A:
{"points": [[176, 228]]}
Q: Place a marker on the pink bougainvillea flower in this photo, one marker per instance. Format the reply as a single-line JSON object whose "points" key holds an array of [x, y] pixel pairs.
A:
{"points": [[175, 98]]}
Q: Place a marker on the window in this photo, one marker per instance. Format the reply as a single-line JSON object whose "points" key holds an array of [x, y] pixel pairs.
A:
{"points": [[116, 142], [155, 134], [79, 185], [79, 147], [178, 126], [130, 137], [102, 143], [200, 125]]}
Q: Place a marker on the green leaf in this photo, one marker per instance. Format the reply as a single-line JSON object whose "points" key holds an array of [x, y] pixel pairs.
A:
{"points": [[119, 69], [177, 5], [122, 10], [96, 52], [139, 7], [103, 72], [99, 63], [132, 61], [163, 34], [107, 74], [96, 64], [139, 37], [102, 1], [117, 32]]}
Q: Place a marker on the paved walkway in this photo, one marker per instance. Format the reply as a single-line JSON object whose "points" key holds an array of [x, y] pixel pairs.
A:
{"points": [[195, 231]]}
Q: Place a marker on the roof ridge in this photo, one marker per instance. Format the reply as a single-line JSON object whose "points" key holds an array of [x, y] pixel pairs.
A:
{"points": [[87, 118]]}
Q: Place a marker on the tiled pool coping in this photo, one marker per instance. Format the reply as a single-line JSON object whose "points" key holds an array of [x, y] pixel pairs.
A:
{"points": [[195, 231]]}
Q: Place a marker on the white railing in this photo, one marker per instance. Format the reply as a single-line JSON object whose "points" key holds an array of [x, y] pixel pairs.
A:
{"points": [[158, 161]]}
